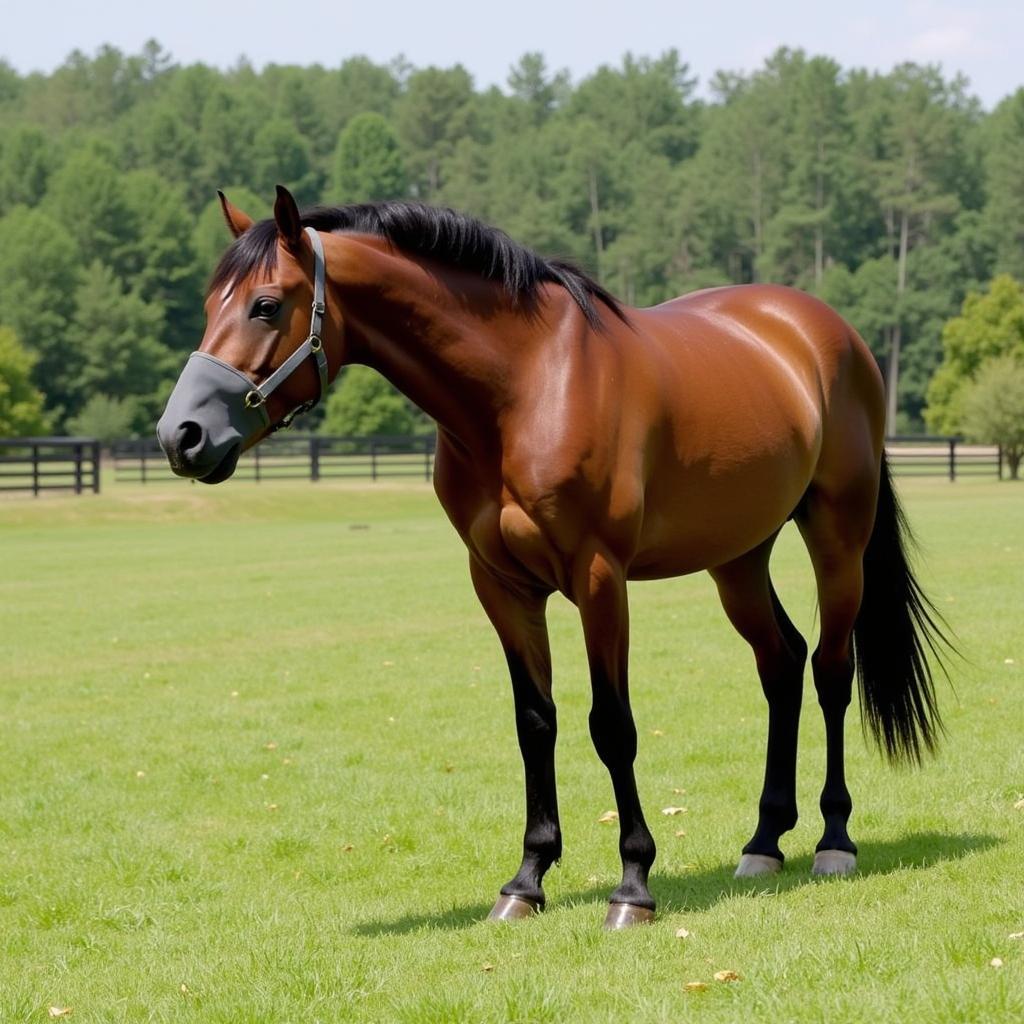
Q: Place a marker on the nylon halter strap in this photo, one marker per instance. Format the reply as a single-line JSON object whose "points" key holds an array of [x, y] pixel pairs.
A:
{"points": [[312, 346]]}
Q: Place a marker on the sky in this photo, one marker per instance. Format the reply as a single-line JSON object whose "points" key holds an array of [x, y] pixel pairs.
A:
{"points": [[981, 39]]}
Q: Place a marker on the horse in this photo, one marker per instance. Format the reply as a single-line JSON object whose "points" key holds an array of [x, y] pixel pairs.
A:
{"points": [[582, 444]]}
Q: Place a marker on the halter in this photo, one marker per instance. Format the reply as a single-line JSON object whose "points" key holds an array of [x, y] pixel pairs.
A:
{"points": [[232, 409], [312, 346]]}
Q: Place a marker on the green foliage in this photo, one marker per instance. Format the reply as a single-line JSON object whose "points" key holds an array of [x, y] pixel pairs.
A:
{"points": [[1004, 158], [364, 403], [281, 156], [87, 198], [991, 324], [890, 194], [21, 404], [116, 333], [39, 264], [105, 418], [994, 408], [433, 112], [367, 162], [26, 161]]}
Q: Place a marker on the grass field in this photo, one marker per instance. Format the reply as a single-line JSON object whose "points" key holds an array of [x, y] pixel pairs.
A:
{"points": [[259, 765]]}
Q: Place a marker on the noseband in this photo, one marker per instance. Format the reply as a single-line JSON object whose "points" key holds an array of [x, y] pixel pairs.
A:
{"points": [[312, 346]]}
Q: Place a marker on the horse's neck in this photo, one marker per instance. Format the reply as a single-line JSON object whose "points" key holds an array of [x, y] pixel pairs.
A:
{"points": [[444, 338]]}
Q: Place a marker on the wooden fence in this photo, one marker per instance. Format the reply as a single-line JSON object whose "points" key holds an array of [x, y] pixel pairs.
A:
{"points": [[294, 457], [929, 455], [73, 463], [50, 464]]}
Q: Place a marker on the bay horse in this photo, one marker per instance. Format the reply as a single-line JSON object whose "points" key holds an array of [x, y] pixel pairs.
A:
{"points": [[581, 444]]}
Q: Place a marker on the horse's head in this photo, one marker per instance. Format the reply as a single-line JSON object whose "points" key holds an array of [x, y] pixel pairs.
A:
{"points": [[262, 358]]}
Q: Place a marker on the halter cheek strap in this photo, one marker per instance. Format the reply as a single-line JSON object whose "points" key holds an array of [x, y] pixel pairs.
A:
{"points": [[312, 346]]}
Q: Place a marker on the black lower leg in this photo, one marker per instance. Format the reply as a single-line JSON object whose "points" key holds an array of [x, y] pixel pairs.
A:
{"points": [[834, 685], [614, 734], [542, 840], [782, 681]]}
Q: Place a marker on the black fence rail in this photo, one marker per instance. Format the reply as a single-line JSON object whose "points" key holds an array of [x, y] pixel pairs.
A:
{"points": [[951, 457], [294, 457], [49, 464], [38, 464]]}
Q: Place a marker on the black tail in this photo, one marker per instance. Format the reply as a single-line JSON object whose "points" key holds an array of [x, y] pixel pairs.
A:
{"points": [[895, 629]]}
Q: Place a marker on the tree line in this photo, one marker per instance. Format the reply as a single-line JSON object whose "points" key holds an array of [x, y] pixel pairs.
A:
{"points": [[894, 196]]}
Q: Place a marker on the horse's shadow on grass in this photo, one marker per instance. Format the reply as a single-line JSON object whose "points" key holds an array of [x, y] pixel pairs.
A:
{"points": [[703, 889]]}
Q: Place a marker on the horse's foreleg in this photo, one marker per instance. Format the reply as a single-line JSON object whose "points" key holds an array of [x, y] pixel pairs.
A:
{"points": [[600, 593], [755, 611], [522, 628]]}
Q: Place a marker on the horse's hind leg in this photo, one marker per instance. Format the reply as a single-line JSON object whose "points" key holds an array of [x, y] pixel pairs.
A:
{"points": [[521, 626], [750, 602], [836, 525]]}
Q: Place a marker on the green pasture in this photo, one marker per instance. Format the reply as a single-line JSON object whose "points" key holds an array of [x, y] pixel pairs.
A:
{"points": [[258, 764]]}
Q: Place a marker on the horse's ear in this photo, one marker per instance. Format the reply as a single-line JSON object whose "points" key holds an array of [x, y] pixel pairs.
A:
{"points": [[286, 214], [237, 221]]}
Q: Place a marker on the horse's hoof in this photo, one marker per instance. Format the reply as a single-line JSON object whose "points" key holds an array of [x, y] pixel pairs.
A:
{"points": [[753, 864], [625, 915], [513, 908], [834, 862]]}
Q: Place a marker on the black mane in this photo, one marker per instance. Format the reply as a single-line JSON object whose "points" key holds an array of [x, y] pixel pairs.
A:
{"points": [[445, 235]]}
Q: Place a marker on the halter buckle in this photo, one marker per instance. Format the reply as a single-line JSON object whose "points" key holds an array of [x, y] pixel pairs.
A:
{"points": [[315, 343], [253, 399]]}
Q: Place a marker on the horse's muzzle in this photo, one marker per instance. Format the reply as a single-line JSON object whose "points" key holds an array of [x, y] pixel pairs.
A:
{"points": [[207, 421]]}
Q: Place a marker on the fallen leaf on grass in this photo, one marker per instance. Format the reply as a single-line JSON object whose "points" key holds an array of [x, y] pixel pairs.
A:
{"points": [[695, 986], [270, 746], [271, 807], [1017, 935], [679, 792], [1019, 805], [1008, 661], [487, 968], [726, 976], [657, 732], [680, 832], [671, 811], [60, 1011], [347, 848], [682, 933], [995, 962], [140, 775], [185, 990], [608, 816]]}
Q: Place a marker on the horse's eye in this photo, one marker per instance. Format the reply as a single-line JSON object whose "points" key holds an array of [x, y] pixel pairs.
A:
{"points": [[265, 308]]}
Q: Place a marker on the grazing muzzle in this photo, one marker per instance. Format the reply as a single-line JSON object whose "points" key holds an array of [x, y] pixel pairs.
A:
{"points": [[215, 411]]}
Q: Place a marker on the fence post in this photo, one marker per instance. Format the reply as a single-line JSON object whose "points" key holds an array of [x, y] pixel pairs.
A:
{"points": [[142, 459], [35, 470], [426, 459], [999, 461], [952, 459], [314, 458], [95, 467], [77, 449]]}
